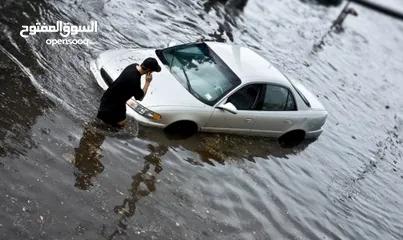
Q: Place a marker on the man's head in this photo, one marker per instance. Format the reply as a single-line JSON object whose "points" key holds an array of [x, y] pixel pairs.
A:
{"points": [[150, 65]]}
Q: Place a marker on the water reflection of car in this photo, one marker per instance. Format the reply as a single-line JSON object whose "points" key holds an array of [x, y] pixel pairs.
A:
{"points": [[217, 87]]}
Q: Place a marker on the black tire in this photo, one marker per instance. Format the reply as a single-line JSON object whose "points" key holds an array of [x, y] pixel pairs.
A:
{"points": [[292, 138], [181, 130]]}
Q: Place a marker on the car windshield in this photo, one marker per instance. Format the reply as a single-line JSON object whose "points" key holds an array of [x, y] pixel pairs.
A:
{"points": [[200, 71]]}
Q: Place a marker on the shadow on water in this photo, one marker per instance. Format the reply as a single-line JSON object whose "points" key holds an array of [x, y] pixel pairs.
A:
{"points": [[213, 148], [87, 157], [143, 183], [87, 162], [232, 10]]}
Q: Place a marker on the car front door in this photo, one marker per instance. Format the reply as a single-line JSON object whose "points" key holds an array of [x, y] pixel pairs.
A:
{"points": [[245, 100], [277, 111]]}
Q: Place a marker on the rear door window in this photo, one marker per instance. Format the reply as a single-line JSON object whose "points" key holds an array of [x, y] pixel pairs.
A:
{"points": [[278, 98]]}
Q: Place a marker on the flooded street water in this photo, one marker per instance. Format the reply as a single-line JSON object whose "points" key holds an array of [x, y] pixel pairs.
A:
{"points": [[56, 184]]}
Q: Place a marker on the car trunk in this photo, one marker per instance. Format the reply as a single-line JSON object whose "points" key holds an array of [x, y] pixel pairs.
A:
{"points": [[314, 102]]}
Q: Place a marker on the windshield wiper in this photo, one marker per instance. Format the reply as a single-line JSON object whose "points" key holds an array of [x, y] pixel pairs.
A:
{"points": [[187, 80]]}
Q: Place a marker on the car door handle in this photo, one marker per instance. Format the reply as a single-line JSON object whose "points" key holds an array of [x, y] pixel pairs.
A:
{"points": [[288, 121], [248, 120]]}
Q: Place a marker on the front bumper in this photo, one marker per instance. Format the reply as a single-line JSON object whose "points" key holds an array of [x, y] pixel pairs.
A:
{"points": [[143, 120]]}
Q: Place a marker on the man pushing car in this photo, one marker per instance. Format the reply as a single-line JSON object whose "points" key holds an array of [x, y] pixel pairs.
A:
{"points": [[112, 109]]}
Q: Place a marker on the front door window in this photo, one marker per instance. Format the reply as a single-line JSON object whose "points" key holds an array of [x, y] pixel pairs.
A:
{"points": [[247, 97]]}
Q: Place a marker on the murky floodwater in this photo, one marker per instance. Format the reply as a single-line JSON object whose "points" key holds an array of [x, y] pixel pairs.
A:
{"points": [[63, 178]]}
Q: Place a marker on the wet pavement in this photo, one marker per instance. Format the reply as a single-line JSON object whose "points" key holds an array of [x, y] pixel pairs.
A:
{"points": [[63, 177]]}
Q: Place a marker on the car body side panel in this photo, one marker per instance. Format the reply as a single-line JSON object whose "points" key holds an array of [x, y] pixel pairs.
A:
{"points": [[225, 122], [172, 114], [275, 124], [265, 123]]}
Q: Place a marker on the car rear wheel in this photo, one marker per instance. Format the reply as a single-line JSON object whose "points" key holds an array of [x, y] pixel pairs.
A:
{"points": [[292, 138], [182, 129]]}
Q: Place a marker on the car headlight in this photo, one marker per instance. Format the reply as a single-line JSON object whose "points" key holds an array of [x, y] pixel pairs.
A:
{"points": [[143, 111]]}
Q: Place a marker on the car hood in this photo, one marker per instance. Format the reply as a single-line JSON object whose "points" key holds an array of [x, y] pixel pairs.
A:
{"points": [[164, 90]]}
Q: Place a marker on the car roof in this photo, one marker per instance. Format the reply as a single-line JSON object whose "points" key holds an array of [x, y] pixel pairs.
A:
{"points": [[247, 64]]}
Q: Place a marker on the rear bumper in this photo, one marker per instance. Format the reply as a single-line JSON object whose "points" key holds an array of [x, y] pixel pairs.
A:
{"points": [[313, 134]]}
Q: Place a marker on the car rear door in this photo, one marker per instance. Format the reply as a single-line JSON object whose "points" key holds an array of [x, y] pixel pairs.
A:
{"points": [[277, 111]]}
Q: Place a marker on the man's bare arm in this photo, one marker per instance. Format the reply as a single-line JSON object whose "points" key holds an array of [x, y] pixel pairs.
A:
{"points": [[149, 78], [145, 89]]}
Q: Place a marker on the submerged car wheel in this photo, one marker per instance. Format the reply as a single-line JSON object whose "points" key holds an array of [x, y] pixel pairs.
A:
{"points": [[181, 129], [292, 138]]}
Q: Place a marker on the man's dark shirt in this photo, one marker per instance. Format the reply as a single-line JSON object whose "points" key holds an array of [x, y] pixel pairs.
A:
{"points": [[113, 102]]}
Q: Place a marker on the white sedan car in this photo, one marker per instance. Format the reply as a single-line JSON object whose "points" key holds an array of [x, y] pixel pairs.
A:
{"points": [[217, 87]]}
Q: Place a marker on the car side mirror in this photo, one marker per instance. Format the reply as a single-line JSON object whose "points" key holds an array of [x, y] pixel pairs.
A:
{"points": [[228, 107]]}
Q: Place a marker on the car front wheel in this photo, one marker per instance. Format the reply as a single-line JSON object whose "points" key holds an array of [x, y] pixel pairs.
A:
{"points": [[182, 129]]}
